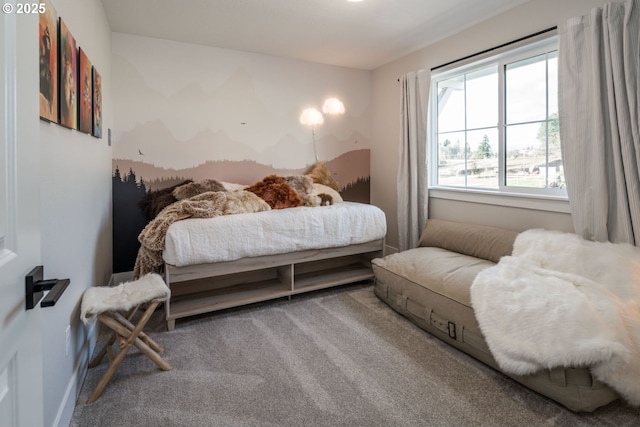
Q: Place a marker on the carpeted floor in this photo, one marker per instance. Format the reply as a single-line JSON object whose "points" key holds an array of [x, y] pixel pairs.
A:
{"points": [[339, 357]]}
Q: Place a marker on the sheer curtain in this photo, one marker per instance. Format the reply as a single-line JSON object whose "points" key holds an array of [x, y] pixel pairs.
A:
{"points": [[599, 66], [412, 170]]}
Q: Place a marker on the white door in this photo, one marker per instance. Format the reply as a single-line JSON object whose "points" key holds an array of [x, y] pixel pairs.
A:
{"points": [[21, 352]]}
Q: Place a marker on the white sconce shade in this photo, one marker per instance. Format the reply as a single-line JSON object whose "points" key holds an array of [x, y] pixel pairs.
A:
{"points": [[311, 117], [333, 106]]}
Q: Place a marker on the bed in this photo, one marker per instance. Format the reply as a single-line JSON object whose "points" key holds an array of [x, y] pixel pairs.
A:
{"points": [[229, 259]]}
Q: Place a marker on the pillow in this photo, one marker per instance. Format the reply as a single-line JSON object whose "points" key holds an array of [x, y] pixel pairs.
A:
{"points": [[194, 188], [276, 192], [303, 186], [244, 202], [321, 175], [230, 186], [154, 201], [323, 189], [480, 241]]}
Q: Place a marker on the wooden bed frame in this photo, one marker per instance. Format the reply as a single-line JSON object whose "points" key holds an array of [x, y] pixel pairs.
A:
{"points": [[204, 288]]}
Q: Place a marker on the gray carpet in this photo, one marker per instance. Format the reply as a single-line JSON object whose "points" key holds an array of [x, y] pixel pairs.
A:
{"points": [[332, 358]]}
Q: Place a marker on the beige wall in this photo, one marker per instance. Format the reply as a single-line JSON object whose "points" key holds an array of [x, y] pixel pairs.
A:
{"points": [[523, 20]]}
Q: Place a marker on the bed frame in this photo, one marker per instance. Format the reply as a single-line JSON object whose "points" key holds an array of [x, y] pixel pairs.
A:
{"points": [[204, 288]]}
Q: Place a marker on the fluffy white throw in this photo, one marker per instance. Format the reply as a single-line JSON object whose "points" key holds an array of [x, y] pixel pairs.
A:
{"points": [[122, 297], [560, 300]]}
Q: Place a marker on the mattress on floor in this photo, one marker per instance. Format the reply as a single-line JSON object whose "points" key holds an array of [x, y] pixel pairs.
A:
{"points": [[431, 287], [278, 231]]}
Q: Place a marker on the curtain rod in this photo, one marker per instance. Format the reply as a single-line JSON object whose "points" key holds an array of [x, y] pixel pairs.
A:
{"points": [[496, 47]]}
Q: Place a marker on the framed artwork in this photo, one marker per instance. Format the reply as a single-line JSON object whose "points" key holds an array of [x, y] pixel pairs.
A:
{"points": [[85, 92], [97, 104], [68, 72], [48, 40]]}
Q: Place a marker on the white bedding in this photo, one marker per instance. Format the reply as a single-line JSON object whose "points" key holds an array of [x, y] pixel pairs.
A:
{"points": [[279, 231]]}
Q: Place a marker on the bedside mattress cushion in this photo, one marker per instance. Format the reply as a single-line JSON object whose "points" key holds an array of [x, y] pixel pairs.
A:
{"points": [[447, 273]]}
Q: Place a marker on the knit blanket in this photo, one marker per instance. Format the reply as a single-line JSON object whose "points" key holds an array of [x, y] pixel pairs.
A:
{"points": [[560, 300], [206, 205]]}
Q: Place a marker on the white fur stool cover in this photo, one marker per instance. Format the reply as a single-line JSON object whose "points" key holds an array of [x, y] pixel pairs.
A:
{"points": [[123, 297]]}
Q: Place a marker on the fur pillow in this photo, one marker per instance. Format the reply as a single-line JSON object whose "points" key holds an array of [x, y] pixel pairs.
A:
{"points": [[244, 202], [321, 175], [319, 189], [303, 185], [154, 201], [276, 192], [231, 186], [194, 188]]}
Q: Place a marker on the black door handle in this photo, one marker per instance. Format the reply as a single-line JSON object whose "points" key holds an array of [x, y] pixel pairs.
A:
{"points": [[35, 287]]}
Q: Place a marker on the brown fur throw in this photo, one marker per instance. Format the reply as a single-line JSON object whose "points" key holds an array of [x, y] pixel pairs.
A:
{"points": [[276, 192], [321, 175], [194, 188], [154, 201]]}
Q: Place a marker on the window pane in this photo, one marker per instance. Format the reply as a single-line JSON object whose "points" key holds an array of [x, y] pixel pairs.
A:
{"points": [[526, 150], [451, 104], [482, 98], [526, 90], [497, 125], [482, 158], [451, 159]]}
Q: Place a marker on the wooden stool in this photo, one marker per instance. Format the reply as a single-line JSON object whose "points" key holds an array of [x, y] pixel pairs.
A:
{"points": [[106, 303]]}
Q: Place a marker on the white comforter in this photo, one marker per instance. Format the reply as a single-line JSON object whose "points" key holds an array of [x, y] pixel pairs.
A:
{"points": [[560, 300], [231, 237]]}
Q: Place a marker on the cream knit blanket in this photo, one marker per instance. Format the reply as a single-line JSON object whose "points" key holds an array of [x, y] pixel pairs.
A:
{"points": [[206, 205]]}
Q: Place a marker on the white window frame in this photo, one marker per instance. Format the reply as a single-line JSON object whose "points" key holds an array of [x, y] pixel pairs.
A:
{"points": [[548, 199]]}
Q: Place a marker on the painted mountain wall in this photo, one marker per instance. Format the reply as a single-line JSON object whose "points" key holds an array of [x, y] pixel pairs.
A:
{"points": [[187, 111]]}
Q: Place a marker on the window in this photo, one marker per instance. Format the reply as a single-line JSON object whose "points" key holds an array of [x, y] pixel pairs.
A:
{"points": [[494, 123]]}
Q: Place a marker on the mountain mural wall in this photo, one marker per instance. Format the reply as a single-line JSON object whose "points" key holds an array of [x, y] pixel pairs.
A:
{"points": [[185, 111]]}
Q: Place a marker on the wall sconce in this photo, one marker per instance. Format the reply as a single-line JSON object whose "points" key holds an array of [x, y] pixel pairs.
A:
{"points": [[333, 106], [312, 117]]}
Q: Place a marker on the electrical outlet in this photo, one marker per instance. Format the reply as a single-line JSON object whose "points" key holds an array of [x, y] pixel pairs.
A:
{"points": [[67, 340]]}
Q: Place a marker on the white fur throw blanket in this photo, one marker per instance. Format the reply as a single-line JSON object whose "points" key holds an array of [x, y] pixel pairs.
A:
{"points": [[560, 300], [122, 297]]}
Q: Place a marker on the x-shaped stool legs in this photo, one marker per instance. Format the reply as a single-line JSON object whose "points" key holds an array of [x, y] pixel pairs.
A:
{"points": [[127, 334]]}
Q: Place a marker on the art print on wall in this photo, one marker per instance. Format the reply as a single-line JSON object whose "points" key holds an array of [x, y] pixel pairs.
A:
{"points": [[97, 104], [85, 92], [68, 78], [48, 40]]}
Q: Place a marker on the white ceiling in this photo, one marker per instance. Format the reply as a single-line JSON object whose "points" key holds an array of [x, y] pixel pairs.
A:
{"points": [[363, 35]]}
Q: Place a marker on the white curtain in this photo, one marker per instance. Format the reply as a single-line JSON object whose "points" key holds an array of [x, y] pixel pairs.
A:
{"points": [[598, 66], [412, 170]]}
